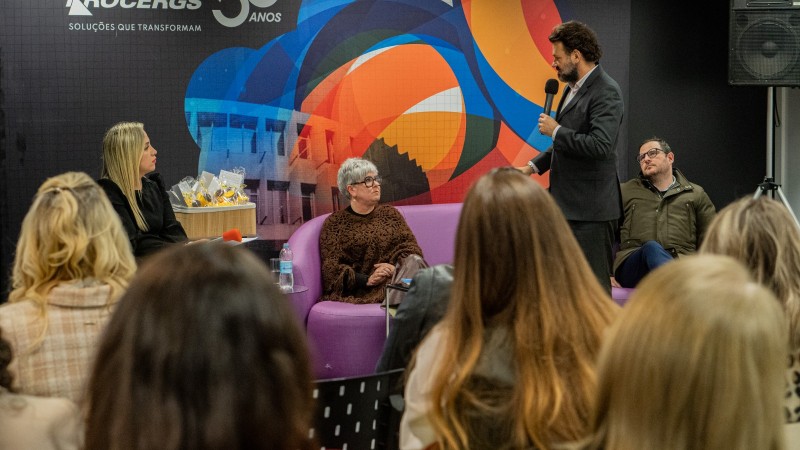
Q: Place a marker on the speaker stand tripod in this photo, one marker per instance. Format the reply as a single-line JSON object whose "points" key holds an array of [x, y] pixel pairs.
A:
{"points": [[769, 184]]}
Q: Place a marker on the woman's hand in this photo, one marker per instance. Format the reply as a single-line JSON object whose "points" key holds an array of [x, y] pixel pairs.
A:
{"points": [[383, 272]]}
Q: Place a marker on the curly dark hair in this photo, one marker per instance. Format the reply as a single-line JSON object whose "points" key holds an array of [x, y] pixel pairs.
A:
{"points": [[5, 359], [577, 36]]}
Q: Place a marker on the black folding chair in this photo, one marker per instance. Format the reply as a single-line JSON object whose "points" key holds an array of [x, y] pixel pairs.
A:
{"points": [[359, 413]]}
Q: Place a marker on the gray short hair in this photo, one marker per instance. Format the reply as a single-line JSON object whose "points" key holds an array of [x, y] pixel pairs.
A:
{"points": [[352, 171]]}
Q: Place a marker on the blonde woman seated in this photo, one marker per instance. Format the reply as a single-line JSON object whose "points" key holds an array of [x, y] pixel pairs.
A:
{"points": [[140, 201], [72, 263], [762, 234], [28, 422], [366, 245], [204, 352], [511, 364], [694, 362]]}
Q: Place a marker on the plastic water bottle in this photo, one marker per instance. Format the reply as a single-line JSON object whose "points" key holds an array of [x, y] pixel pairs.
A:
{"points": [[286, 277]]}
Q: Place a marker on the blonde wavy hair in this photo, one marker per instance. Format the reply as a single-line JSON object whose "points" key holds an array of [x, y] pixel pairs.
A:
{"points": [[512, 248], [762, 234], [71, 232], [694, 362], [123, 145]]}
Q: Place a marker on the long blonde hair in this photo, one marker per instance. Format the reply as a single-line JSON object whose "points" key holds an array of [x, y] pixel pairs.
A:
{"points": [[71, 232], [123, 145], [513, 247], [695, 361], [762, 234]]}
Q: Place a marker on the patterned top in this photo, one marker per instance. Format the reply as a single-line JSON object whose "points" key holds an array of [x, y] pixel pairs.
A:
{"points": [[350, 246], [792, 400], [77, 312]]}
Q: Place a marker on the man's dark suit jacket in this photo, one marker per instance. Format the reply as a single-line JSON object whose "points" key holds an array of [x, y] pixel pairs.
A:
{"points": [[583, 157], [423, 306]]}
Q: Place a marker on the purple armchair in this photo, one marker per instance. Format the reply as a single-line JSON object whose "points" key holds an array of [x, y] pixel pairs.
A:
{"points": [[345, 339]]}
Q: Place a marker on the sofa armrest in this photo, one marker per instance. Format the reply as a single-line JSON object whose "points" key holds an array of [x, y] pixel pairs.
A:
{"points": [[307, 265]]}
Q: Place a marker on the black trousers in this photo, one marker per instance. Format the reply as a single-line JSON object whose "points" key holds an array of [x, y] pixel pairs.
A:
{"points": [[596, 240]]}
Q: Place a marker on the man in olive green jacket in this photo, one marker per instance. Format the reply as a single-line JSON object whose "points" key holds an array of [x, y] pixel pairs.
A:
{"points": [[665, 215]]}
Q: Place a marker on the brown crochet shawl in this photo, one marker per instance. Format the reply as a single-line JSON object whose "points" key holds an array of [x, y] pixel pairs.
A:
{"points": [[352, 244]]}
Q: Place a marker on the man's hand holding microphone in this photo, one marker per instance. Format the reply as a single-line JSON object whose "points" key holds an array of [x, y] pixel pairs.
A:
{"points": [[547, 124]]}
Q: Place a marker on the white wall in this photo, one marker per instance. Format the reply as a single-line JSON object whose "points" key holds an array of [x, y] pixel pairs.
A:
{"points": [[787, 145]]}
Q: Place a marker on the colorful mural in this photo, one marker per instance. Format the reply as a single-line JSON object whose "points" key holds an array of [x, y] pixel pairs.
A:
{"points": [[435, 93]]}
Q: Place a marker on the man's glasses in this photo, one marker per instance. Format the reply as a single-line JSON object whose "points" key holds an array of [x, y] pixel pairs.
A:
{"points": [[369, 181], [652, 153]]}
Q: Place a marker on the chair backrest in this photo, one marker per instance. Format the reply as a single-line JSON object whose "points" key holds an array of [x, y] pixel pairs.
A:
{"points": [[359, 413], [434, 226]]}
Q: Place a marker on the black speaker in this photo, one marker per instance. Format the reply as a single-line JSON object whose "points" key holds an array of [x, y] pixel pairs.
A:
{"points": [[764, 43]]}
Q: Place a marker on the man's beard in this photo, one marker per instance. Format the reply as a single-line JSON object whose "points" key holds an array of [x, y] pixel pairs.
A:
{"points": [[569, 76]]}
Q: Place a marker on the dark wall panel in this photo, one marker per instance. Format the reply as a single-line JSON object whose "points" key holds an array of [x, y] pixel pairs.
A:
{"points": [[670, 59], [679, 91]]}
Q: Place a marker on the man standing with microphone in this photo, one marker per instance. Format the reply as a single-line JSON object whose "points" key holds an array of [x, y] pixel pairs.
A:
{"points": [[583, 157]]}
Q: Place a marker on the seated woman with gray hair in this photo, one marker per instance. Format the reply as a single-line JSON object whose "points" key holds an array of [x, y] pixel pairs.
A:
{"points": [[366, 245]]}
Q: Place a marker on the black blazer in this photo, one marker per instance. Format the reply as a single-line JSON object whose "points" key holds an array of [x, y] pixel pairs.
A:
{"points": [[157, 210], [583, 157]]}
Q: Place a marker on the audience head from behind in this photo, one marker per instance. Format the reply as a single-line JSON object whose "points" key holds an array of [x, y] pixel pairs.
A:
{"points": [[695, 361], [522, 331], [72, 263], [762, 234], [70, 232], [203, 352]]}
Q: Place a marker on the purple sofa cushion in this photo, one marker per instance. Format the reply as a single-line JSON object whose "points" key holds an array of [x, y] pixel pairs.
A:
{"points": [[620, 295], [345, 339]]}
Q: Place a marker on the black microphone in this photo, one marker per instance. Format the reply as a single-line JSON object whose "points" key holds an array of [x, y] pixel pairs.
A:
{"points": [[550, 88]]}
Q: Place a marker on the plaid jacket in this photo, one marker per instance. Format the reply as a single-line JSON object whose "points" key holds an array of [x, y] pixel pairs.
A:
{"points": [[59, 366]]}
